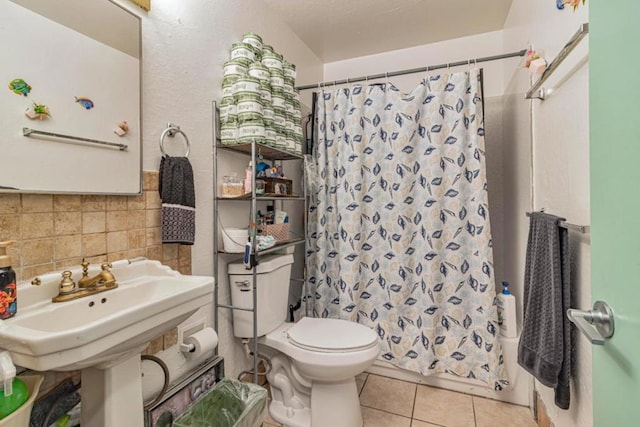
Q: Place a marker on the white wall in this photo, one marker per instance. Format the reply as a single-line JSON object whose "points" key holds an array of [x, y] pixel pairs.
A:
{"points": [[184, 47], [559, 137], [454, 50]]}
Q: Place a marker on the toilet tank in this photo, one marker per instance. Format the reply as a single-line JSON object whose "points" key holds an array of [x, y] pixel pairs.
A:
{"points": [[272, 285]]}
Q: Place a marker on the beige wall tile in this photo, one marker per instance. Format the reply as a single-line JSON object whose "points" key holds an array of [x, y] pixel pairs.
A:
{"points": [[153, 218], [155, 346], [154, 236], [388, 395], [117, 203], [92, 203], [10, 227], [98, 259], [184, 253], [185, 269], [66, 263], [154, 252], [117, 241], [135, 253], [37, 225], [68, 223], [443, 407], [170, 338], [10, 203], [67, 202], [116, 256], [94, 222], [94, 244], [29, 273], [170, 251], [137, 238], [37, 203], [136, 202], [15, 252], [116, 220], [136, 219], [68, 247], [36, 252], [152, 200], [150, 180], [172, 264]]}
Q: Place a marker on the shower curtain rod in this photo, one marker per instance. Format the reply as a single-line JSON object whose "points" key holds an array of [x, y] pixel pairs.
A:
{"points": [[414, 70]]}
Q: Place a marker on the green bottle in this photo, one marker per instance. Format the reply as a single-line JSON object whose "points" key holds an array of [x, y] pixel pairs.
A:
{"points": [[10, 403]]}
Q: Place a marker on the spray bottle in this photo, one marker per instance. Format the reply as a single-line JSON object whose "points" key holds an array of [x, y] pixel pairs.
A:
{"points": [[8, 289]]}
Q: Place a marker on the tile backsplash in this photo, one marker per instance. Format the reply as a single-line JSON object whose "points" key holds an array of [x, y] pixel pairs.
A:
{"points": [[56, 231]]}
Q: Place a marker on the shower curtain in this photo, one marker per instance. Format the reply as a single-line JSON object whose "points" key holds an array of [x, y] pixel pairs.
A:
{"points": [[399, 236]]}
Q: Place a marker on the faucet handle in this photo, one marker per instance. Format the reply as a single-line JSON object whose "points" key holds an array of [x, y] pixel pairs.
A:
{"points": [[85, 267], [67, 284]]}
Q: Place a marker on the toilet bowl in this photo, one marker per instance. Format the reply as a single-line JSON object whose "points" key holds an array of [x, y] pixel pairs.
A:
{"points": [[313, 362]]}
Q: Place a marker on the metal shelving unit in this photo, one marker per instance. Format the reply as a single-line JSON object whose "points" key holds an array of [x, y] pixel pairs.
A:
{"points": [[252, 149]]}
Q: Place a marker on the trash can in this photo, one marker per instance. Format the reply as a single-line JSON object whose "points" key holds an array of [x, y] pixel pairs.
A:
{"points": [[230, 403], [20, 417]]}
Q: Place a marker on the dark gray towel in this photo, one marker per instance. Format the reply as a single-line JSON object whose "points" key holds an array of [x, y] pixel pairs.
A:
{"points": [[545, 342], [178, 200]]}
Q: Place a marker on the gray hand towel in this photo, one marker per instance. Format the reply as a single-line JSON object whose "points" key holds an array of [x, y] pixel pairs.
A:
{"points": [[544, 349], [177, 193]]}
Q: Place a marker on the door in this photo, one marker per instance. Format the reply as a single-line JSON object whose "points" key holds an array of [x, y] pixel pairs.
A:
{"points": [[614, 99]]}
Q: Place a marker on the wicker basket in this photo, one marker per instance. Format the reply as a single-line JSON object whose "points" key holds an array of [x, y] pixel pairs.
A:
{"points": [[279, 231]]}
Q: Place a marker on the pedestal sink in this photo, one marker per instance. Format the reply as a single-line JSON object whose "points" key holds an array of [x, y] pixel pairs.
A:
{"points": [[104, 334]]}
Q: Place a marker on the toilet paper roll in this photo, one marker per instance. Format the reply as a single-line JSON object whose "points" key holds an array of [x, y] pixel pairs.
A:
{"points": [[203, 341]]}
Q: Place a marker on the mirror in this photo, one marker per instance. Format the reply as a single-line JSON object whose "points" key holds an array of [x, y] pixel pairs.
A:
{"points": [[74, 67]]}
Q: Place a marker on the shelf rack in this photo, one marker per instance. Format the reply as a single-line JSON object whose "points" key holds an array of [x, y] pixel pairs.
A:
{"points": [[254, 149]]}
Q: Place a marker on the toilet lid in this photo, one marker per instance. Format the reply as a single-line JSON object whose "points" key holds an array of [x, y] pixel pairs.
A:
{"points": [[331, 335]]}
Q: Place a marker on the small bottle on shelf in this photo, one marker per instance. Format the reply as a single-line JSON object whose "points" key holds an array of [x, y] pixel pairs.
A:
{"points": [[248, 174]]}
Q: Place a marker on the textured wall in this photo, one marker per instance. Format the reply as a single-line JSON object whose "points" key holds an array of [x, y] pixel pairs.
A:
{"points": [[184, 46]]}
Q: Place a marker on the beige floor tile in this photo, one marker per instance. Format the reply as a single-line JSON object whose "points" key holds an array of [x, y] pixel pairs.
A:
{"points": [[491, 413], [375, 418], [418, 423], [360, 380], [443, 407], [389, 395]]}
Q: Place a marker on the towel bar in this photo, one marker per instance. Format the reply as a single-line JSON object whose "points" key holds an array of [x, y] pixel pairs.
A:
{"points": [[584, 229]]}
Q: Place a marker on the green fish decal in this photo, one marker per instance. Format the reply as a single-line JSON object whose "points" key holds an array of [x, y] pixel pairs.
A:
{"points": [[20, 87], [85, 102]]}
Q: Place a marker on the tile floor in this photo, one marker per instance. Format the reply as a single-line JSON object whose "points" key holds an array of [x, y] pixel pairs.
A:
{"points": [[387, 402]]}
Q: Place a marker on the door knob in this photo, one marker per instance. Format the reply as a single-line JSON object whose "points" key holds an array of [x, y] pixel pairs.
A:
{"points": [[596, 324]]}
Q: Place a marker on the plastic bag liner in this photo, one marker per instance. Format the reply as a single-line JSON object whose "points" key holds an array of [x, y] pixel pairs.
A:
{"points": [[230, 403]]}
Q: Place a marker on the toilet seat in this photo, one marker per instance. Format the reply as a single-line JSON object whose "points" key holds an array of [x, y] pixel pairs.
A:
{"points": [[331, 335]]}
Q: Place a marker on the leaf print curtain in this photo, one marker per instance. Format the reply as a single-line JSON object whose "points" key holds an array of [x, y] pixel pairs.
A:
{"points": [[399, 234]]}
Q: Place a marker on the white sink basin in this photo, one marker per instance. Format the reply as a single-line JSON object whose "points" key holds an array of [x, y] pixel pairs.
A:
{"points": [[104, 328]]}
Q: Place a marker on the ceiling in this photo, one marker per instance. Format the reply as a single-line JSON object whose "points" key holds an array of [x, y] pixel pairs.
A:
{"points": [[340, 29]]}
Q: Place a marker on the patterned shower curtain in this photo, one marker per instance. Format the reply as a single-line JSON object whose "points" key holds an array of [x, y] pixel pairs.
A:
{"points": [[399, 234]]}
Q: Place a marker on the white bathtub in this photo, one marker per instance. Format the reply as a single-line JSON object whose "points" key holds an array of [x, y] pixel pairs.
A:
{"points": [[518, 393]]}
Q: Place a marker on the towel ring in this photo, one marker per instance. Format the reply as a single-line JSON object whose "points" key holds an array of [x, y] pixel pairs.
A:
{"points": [[171, 131]]}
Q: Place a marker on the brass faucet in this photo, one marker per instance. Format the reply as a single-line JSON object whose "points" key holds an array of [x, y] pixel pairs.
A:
{"points": [[104, 278], [103, 281]]}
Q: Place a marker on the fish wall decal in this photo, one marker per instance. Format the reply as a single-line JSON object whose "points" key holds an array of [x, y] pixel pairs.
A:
{"points": [[20, 87], [85, 102]]}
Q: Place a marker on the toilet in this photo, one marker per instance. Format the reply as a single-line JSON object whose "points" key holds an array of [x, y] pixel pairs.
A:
{"points": [[313, 363]]}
